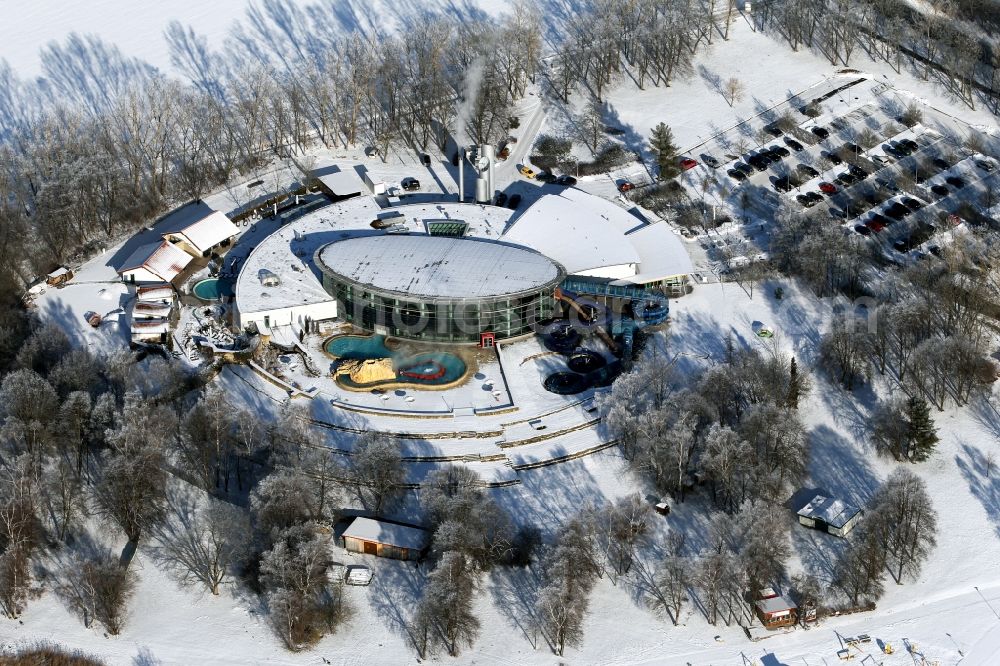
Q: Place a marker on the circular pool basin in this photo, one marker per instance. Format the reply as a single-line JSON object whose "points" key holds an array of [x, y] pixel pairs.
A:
{"points": [[212, 289]]}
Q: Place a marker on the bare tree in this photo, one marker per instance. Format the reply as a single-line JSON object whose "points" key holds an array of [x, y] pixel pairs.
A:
{"points": [[733, 90], [378, 469], [108, 587], [445, 613], [903, 520]]}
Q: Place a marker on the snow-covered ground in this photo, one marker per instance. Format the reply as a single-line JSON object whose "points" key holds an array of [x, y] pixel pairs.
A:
{"points": [[951, 614]]}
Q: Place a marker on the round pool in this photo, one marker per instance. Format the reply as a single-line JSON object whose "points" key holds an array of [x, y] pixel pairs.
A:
{"points": [[212, 289], [585, 360], [566, 383], [430, 368]]}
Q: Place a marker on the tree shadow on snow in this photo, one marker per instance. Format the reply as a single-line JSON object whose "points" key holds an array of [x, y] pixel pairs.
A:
{"points": [[972, 463]]}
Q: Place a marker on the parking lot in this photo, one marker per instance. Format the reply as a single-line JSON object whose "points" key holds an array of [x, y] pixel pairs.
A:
{"points": [[872, 169]]}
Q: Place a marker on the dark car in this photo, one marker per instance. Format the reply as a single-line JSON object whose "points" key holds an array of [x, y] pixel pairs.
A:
{"points": [[805, 201], [863, 230], [793, 144], [545, 177], [893, 151], [710, 160], [838, 213], [814, 196], [911, 203], [760, 162], [501, 199], [744, 168], [807, 170], [779, 150], [912, 145], [737, 175], [940, 190], [940, 163], [902, 245], [854, 148], [897, 211], [903, 148], [833, 157], [568, 181], [515, 201], [821, 132], [857, 172], [782, 184], [845, 179], [773, 129], [955, 182], [984, 165], [410, 184]]}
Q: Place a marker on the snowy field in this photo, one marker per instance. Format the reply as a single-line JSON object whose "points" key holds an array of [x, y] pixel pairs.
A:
{"points": [[950, 614]]}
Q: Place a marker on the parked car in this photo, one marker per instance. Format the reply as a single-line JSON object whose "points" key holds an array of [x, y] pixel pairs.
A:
{"points": [[940, 163], [773, 129], [821, 132], [903, 148], [875, 226], [814, 196], [833, 157], [410, 184], [827, 188], [902, 245], [688, 163], [760, 162], [793, 144], [779, 150], [567, 180], [910, 144], [911, 203], [955, 182], [845, 179], [807, 170], [737, 175], [984, 165], [514, 202], [358, 574], [886, 184], [882, 160], [863, 230], [746, 169], [838, 213], [625, 186], [545, 177], [805, 201], [527, 171], [858, 172], [940, 190], [501, 199], [854, 148], [894, 151], [782, 184], [710, 160]]}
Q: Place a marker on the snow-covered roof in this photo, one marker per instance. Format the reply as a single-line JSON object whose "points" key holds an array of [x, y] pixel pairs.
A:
{"points": [[402, 536], [341, 183], [145, 309], [830, 510], [155, 293], [580, 231], [206, 232], [439, 266], [150, 326], [59, 272], [775, 605], [661, 254], [162, 259]]}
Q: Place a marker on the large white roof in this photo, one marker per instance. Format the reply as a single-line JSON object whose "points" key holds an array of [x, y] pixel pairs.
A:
{"points": [[203, 226], [439, 266], [661, 254], [403, 536], [580, 231], [162, 259], [209, 231]]}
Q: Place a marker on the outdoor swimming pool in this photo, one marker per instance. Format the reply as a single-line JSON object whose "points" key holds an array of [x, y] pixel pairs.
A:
{"points": [[212, 289], [431, 368]]}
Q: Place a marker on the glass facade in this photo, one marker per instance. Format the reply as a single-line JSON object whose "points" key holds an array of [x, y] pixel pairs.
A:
{"points": [[445, 320]]}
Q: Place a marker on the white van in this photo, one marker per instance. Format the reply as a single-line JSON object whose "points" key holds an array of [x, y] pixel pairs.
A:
{"points": [[358, 574]]}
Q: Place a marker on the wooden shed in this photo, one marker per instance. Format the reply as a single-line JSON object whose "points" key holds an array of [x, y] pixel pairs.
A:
{"points": [[776, 611], [384, 539]]}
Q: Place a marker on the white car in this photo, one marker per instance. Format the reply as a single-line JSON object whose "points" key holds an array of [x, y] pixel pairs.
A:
{"points": [[358, 574]]}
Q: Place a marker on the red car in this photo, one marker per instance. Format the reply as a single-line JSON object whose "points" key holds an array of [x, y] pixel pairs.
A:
{"points": [[688, 163], [875, 226], [827, 188], [626, 187]]}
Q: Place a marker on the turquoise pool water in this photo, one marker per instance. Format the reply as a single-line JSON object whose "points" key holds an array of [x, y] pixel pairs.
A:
{"points": [[359, 347], [212, 289]]}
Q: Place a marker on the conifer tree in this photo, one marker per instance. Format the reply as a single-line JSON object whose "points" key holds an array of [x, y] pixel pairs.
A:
{"points": [[921, 433], [794, 385], [661, 142]]}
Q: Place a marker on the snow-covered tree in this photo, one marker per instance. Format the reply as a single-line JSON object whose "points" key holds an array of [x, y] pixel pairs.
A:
{"points": [[378, 469]]}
